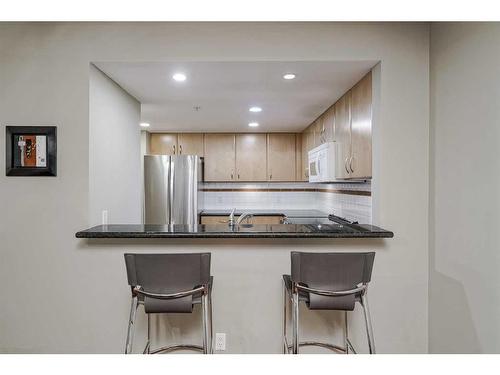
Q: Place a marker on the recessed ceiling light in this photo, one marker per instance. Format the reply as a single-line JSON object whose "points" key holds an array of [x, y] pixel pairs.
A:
{"points": [[289, 76], [179, 77], [144, 125], [253, 124], [255, 109]]}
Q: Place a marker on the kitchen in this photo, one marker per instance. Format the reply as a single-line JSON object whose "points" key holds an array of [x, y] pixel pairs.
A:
{"points": [[294, 166]]}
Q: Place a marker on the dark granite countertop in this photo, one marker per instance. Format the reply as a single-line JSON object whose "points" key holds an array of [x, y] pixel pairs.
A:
{"points": [[266, 212], [242, 231]]}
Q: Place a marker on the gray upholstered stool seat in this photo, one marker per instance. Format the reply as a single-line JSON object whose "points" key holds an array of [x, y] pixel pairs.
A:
{"points": [[170, 283], [327, 281], [306, 298]]}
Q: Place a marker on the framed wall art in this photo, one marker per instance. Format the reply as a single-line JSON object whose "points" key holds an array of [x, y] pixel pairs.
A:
{"points": [[31, 151]]}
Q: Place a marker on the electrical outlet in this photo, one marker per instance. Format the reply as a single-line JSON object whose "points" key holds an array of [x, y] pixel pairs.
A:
{"points": [[220, 341]]}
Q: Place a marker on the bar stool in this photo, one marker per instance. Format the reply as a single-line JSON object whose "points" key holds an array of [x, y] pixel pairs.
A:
{"points": [[170, 283], [327, 281]]}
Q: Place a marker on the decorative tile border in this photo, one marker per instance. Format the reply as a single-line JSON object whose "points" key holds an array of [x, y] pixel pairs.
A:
{"points": [[266, 190]]}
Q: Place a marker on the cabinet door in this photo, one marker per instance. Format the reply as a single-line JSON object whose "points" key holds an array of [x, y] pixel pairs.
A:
{"points": [[307, 145], [281, 157], [360, 163], [163, 144], [219, 157], [343, 136], [190, 144], [318, 131], [299, 174], [214, 220], [266, 220], [250, 157], [329, 124]]}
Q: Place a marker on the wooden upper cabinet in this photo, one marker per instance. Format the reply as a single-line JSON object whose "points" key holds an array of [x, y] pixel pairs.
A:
{"points": [[299, 171], [343, 135], [307, 145], [360, 163], [219, 157], [281, 157], [190, 144], [329, 124], [304, 170], [318, 131], [163, 144], [251, 157]]}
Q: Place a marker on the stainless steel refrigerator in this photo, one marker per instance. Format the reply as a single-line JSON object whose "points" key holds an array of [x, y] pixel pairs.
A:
{"points": [[172, 189]]}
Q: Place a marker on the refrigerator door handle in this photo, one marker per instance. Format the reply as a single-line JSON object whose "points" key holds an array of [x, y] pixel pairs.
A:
{"points": [[171, 190]]}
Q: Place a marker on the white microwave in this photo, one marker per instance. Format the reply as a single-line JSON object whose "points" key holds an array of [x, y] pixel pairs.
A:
{"points": [[322, 162]]}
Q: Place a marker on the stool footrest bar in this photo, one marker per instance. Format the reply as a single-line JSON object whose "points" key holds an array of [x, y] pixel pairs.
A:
{"points": [[171, 348], [325, 345]]}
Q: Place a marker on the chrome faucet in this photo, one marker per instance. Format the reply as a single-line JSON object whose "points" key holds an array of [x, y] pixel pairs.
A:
{"points": [[243, 216], [231, 221]]}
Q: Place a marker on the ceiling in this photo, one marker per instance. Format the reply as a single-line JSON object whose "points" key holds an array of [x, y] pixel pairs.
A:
{"points": [[224, 91]]}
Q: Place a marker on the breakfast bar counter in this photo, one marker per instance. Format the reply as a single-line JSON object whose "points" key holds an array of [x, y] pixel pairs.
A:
{"points": [[239, 231]]}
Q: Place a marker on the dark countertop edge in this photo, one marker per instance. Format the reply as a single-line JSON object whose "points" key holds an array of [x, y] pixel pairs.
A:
{"points": [[368, 234], [230, 235]]}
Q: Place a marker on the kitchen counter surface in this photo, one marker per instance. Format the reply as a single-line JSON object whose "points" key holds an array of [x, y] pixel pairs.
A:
{"points": [[273, 212], [242, 231]]}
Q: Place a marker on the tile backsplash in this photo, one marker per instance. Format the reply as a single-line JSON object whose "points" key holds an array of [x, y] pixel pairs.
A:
{"points": [[350, 200]]}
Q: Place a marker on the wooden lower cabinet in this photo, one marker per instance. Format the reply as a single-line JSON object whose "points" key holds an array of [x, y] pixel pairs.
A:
{"points": [[214, 220], [256, 220], [266, 220]]}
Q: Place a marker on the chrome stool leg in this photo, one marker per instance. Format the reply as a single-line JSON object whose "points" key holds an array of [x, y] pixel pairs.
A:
{"points": [[204, 308], [346, 333], [211, 348], [368, 322], [147, 349], [348, 345], [295, 343], [285, 300], [131, 325]]}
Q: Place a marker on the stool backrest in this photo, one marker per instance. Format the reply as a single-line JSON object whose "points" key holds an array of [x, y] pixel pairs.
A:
{"points": [[332, 271], [168, 273]]}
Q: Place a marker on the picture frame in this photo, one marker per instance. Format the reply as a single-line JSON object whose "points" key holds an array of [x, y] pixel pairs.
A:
{"points": [[31, 151]]}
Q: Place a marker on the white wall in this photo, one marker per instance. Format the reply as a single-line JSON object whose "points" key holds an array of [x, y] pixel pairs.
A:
{"points": [[115, 174], [78, 297], [465, 185]]}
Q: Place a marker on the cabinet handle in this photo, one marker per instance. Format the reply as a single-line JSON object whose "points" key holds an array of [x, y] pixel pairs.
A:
{"points": [[173, 148], [231, 175], [350, 164], [345, 164], [238, 176], [180, 149]]}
